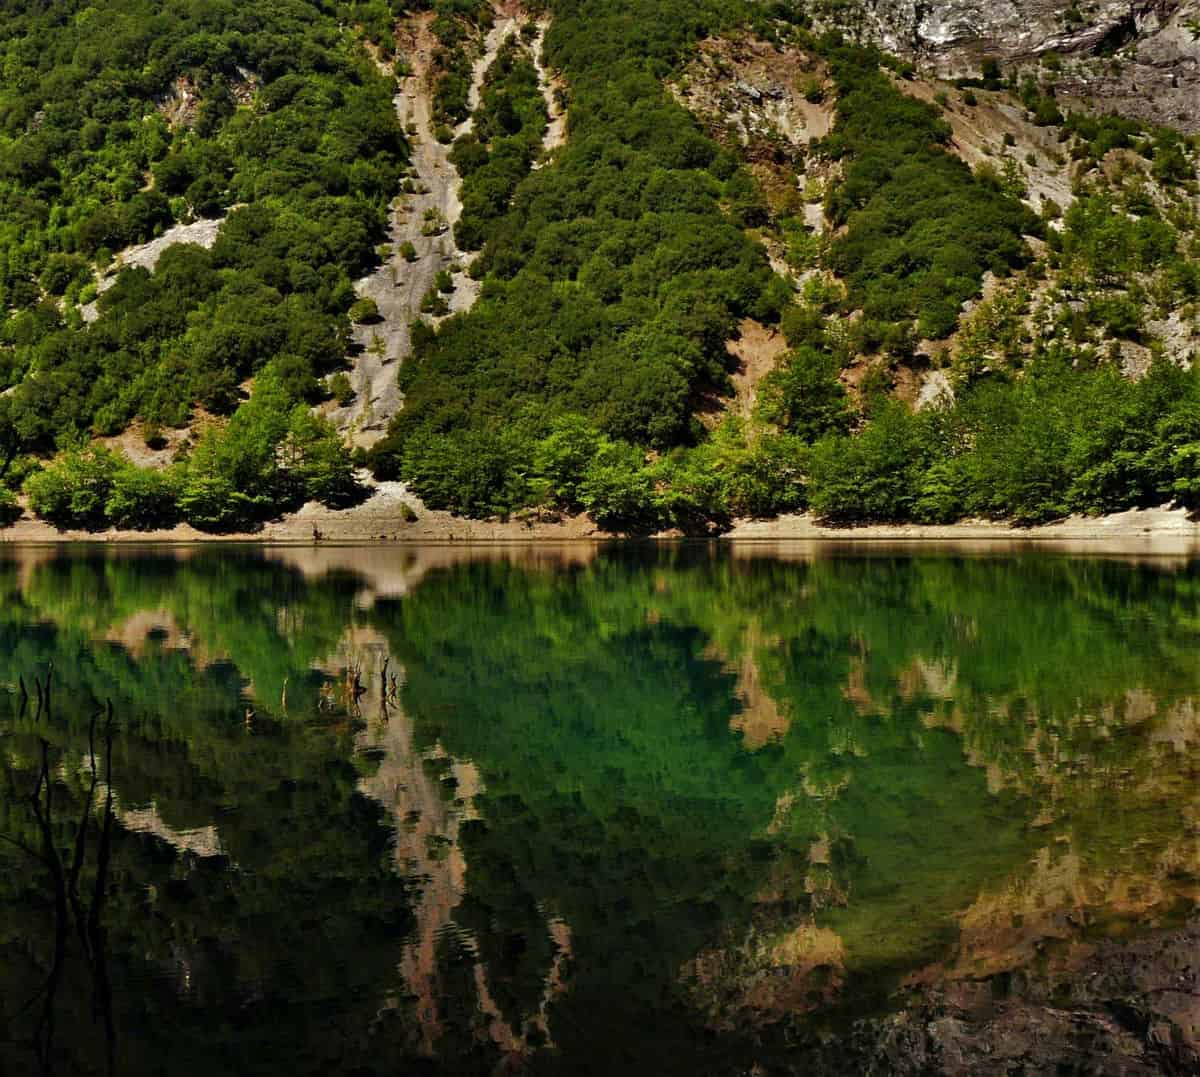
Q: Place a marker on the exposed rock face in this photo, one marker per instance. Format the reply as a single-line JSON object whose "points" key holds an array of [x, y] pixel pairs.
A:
{"points": [[1127, 1009], [1142, 56]]}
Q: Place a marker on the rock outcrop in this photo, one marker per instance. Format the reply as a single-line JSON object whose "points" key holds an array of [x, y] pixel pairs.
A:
{"points": [[1129, 1008], [1137, 57]]}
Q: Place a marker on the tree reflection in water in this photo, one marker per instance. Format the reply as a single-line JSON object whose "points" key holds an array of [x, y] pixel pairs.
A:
{"points": [[672, 809], [67, 882]]}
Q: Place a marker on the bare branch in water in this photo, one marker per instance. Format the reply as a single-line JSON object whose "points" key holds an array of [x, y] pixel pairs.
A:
{"points": [[68, 903]]}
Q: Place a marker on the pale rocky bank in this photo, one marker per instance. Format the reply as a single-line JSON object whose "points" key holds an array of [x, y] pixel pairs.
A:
{"points": [[390, 514]]}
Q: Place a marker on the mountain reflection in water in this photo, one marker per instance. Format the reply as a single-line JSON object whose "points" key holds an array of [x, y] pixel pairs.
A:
{"points": [[601, 810]]}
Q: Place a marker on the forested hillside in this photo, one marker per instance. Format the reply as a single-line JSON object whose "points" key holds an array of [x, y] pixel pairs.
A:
{"points": [[610, 288], [974, 326], [116, 123], [616, 278]]}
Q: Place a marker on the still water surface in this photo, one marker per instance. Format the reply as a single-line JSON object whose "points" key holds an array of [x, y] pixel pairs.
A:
{"points": [[579, 811]]}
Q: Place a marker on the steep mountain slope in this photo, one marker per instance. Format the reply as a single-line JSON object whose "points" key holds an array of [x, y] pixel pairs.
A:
{"points": [[422, 247], [266, 140], [772, 268]]}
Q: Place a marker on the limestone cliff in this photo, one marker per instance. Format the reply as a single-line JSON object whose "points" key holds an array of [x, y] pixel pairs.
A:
{"points": [[1137, 57]]}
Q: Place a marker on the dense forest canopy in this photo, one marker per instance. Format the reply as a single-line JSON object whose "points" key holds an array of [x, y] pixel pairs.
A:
{"points": [[610, 286], [271, 114], [613, 275], [619, 272]]}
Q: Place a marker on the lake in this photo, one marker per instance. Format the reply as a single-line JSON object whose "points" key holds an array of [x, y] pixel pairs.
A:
{"points": [[686, 809]]}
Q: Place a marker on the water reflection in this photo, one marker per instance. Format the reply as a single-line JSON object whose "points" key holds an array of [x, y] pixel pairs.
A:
{"points": [[593, 810], [75, 882]]}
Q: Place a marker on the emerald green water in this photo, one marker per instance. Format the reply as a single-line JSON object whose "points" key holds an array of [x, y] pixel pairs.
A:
{"points": [[676, 811]]}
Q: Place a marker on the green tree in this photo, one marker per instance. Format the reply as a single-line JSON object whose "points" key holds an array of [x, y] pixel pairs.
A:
{"points": [[873, 475], [617, 489], [473, 472], [316, 460], [209, 501], [143, 499], [803, 397], [10, 507], [364, 310], [73, 489], [562, 457]]}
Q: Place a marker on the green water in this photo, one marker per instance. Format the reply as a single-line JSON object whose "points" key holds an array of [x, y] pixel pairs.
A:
{"points": [[678, 812]]}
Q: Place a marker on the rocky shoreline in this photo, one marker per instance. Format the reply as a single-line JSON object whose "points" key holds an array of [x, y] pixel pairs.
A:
{"points": [[391, 515]]}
